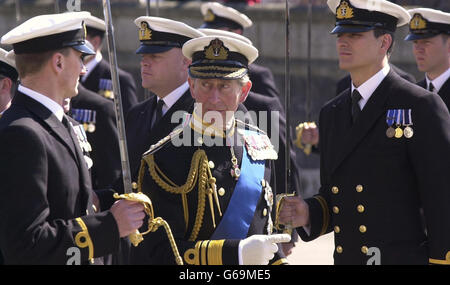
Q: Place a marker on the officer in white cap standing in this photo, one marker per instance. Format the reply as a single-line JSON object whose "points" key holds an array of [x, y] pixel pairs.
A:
{"points": [[47, 214], [218, 16], [211, 178], [164, 72], [98, 73], [8, 80], [429, 30], [385, 153]]}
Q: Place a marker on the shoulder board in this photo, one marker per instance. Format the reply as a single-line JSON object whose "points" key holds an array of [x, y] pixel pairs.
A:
{"points": [[241, 124], [157, 146]]}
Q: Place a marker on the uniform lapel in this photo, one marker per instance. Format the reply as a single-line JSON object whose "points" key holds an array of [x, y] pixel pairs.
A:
{"points": [[444, 92], [50, 120], [184, 103], [374, 108]]}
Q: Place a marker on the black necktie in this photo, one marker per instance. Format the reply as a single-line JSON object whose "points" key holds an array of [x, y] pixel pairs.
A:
{"points": [[356, 96], [431, 87], [158, 115]]}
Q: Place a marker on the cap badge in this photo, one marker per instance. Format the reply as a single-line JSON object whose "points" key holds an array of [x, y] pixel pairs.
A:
{"points": [[417, 23], [145, 33], [216, 50], [344, 11], [209, 16]]}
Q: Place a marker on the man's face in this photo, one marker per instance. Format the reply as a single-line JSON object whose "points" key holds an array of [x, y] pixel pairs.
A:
{"points": [[218, 96], [160, 71], [73, 69], [358, 50], [432, 54]]}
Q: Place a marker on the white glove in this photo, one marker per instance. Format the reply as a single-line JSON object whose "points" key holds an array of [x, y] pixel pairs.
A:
{"points": [[260, 249]]}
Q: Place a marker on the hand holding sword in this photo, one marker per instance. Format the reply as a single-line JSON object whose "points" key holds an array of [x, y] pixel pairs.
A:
{"points": [[131, 197]]}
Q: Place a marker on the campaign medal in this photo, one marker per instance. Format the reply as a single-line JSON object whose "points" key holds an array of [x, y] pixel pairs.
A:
{"points": [[91, 126], [398, 130], [408, 131], [390, 118]]}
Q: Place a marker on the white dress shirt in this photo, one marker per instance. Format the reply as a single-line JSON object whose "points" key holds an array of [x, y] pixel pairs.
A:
{"points": [[439, 81], [54, 107], [367, 88]]}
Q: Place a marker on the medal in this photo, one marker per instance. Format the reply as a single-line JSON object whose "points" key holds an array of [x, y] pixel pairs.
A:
{"points": [[398, 130], [91, 127], [408, 131], [390, 117]]}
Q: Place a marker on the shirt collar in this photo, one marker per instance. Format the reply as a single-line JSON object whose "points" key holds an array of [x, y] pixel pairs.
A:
{"points": [[171, 98], [54, 107], [211, 129], [367, 88], [91, 65], [439, 81]]}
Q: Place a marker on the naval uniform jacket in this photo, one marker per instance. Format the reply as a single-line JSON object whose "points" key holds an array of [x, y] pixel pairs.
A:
{"points": [[127, 84], [198, 248], [373, 187], [444, 92], [141, 135], [262, 80], [46, 206], [104, 140]]}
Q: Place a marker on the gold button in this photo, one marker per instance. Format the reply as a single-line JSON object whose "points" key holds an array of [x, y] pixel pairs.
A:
{"points": [[221, 191], [265, 212], [359, 188], [335, 210], [335, 190], [134, 185], [364, 249], [211, 164], [200, 140], [362, 228], [360, 208], [263, 183], [337, 229], [339, 249]]}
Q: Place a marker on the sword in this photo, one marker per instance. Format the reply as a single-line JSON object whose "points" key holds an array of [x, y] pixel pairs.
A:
{"points": [[153, 223], [287, 104]]}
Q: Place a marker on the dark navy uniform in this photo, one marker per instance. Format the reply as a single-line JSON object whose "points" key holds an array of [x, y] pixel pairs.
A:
{"points": [[373, 187], [140, 134], [99, 81], [192, 221], [98, 116], [46, 211], [444, 92], [263, 81], [381, 166]]}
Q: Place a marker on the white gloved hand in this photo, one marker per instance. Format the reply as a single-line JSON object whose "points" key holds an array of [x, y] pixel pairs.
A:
{"points": [[260, 249]]}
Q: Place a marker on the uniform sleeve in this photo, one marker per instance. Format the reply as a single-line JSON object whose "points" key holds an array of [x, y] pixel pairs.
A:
{"points": [[429, 150], [27, 235]]}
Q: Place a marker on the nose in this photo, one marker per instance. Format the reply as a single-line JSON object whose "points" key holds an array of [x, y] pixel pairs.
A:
{"points": [[83, 69]]}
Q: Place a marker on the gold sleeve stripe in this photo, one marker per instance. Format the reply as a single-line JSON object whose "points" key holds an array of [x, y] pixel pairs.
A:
{"points": [[326, 213], [203, 252], [215, 252], [207, 252], [446, 261], [280, 262], [83, 239]]}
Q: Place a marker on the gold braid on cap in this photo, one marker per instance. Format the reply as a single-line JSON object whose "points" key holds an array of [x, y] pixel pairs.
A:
{"points": [[199, 174]]}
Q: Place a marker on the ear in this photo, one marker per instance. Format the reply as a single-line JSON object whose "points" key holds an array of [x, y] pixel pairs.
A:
{"points": [[5, 85], [245, 90], [57, 62], [386, 42], [186, 62]]}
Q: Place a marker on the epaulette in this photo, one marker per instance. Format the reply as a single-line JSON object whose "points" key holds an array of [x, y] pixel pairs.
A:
{"points": [[163, 141], [242, 124]]}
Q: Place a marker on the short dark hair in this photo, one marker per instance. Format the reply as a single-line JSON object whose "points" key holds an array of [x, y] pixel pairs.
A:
{"points": [[379, 32], [29, 63]]}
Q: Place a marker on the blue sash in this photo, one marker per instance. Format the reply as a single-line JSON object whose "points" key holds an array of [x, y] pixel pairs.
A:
{"points": [[241, 209]]}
